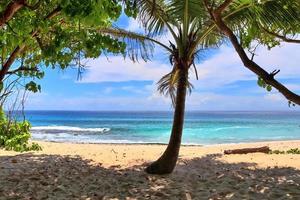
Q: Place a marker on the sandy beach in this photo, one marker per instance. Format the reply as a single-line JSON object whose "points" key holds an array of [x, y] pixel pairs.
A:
{"points": [[115, 171]]}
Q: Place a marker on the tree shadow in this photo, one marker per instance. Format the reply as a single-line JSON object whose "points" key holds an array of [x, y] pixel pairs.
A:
{"points": [[221, 180], [29, 176]]}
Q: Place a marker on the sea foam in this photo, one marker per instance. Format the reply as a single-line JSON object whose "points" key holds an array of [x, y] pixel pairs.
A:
{"points": [[69, 129]]}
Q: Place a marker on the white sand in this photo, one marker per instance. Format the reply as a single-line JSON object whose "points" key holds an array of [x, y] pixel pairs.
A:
{"points": [[109, 171]]}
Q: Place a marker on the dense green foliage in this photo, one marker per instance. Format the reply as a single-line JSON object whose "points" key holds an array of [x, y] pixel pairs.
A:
{"points": [[15, 135], [56, 33]]}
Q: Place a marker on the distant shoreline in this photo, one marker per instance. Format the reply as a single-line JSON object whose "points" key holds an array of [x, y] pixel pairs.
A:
{"points": [[167, 111], [165, 144]]}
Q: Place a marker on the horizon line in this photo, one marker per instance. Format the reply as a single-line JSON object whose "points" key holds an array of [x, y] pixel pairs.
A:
{"points": [[57, 110]]}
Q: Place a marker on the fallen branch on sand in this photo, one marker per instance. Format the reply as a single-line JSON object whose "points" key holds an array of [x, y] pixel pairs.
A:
{"points": [[264, 149]]}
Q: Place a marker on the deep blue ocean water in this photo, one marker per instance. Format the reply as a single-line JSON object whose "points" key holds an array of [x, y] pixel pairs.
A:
{"points": [[154, 127]]}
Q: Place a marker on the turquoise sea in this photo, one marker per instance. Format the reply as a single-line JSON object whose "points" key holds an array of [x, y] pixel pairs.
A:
{"points": [[154, 127]]}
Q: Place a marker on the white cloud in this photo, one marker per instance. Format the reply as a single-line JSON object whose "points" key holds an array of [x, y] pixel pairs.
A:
{"points": [[197, 101], [275, 97], [285, 57], [294, 87], [119, 69], [223, 68], [95, 103], [226, 67], [213, 101], [108, 90], [134, 26], [219, 70]]}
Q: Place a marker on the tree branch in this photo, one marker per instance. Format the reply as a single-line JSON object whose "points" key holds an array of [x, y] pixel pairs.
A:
{"points": [[54, 13], [282, 37], [23, 69], [17, 51], [20, 48], [33, 7], [10, 10], [251, 65], [223, 6], [208, 8]]}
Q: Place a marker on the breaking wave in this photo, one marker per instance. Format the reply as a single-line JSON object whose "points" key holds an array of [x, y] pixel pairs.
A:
{"points": [[68, 129]]}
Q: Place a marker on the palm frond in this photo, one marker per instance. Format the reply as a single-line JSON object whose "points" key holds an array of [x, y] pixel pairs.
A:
{"points": [[250, 15], [167, 85], [281, 14], [249, 18], [137, 45], [153, 14], [179, 9]]}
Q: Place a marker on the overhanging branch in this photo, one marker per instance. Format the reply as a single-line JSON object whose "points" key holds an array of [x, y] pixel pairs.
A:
{"points": [[251, 65], [17, 51], [23, 69]]}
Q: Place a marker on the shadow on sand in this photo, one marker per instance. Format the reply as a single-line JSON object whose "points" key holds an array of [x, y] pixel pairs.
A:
{"points": [[29, 176]]}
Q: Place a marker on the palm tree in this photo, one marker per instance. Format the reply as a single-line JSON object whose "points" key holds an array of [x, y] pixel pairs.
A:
{"points": [[192, 30], [185, 22]]}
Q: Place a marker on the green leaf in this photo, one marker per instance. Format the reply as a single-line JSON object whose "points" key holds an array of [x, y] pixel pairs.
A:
{"points": [[33, 87], [1, 86]]}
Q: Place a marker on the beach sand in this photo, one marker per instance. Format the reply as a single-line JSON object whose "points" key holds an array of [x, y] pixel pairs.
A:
{"points": [[115, 171]]}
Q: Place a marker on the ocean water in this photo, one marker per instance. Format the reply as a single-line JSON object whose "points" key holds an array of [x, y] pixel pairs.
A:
{"points": [[154, 127]]}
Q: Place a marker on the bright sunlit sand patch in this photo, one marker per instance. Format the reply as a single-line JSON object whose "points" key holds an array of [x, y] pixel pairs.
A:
{"points": [[107, 171]]}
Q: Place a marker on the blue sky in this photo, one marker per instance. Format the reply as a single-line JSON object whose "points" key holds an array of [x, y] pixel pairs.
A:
{"points": [[116, 84]]}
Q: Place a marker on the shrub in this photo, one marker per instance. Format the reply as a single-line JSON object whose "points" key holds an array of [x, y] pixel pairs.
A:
{"points": [[277, 152], [291, 151], [15, 135]]}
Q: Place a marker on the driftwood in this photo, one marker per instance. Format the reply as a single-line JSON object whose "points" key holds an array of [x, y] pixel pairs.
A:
{"points": [[264, 149]]}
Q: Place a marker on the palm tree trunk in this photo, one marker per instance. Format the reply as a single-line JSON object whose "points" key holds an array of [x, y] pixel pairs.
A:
{"points": [[167, 162]]}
